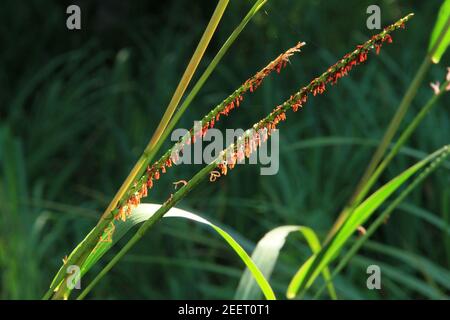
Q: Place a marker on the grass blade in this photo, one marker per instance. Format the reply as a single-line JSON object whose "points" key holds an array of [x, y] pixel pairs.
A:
{"points": [[309, 271], [440, 37], [385, 214], [143, 212], [369, 181], [266, 255], [82, 250], [249, 141], [199, 84]]}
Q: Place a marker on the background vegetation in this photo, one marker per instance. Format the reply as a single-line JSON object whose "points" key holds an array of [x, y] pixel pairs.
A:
{"points": [[77, 108]]}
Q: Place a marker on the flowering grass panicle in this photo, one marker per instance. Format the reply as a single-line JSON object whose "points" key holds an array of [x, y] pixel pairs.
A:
{"points": [[260, 132], [153, 172], [263, 129]]}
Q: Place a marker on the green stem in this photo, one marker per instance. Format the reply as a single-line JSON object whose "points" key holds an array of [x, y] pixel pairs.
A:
{"points": [[390, 132], [399, 115], [394, 125], [385, 214], [149, 224], [148, 156], [372, 179], [401, 141], [295, 100], [140, 166], [205, 77], [187, 76], [250, 85]]}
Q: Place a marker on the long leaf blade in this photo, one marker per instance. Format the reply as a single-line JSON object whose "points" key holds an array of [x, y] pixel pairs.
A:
{"points": [[144, 211], [266, 255], [309, 271], [438, 49]]}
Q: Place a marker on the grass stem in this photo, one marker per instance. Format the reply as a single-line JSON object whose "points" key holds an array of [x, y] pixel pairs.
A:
{"points": [[390, 133], [140, 165], [385, 214]]}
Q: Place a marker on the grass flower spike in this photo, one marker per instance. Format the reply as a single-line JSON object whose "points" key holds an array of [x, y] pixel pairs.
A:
{"points": [[262, 130], [153, 172], [127, 220]]}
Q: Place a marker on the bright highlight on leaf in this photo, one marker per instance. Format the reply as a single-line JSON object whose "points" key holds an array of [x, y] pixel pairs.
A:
{"points": [[144, 211], [309, 271], [441, 33], [259, 267], [266, 255]]}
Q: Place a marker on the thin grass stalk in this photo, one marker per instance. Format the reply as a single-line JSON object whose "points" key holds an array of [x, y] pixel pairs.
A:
{"points": [[252, 140], [401, 111], [307, 274], [401, 141], [222, 108], [177, 196], [142, 161], [386, 213], [256, 7], [393, 125], [392, 153], [446, 219], [188, 74], [390, 131]]}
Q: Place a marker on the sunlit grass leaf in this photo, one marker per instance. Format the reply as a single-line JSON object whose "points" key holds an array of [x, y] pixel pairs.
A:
{"points": [[266, 255], [442, 23], [309, 271], [168, 119], [145, 211], [385, 214]]}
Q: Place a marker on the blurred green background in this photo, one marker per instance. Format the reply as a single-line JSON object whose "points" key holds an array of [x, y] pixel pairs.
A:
{"points": [[78, 107]]}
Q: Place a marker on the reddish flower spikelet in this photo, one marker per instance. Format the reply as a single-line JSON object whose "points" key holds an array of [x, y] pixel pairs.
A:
{"points": [[121, 214], [144, 191], [388, 38], [436, 86], [150, 183], [107, 235], [223, 168]]}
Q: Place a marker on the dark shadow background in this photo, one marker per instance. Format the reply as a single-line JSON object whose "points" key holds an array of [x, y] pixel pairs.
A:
{"points": [[78, 107]]}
